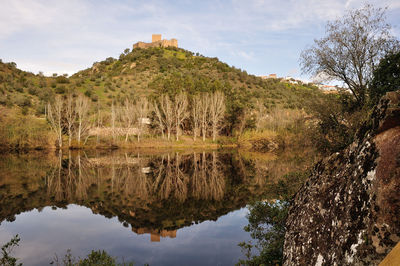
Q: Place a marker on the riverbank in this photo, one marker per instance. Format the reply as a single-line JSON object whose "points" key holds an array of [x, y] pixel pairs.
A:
{"points": [[145, 144]]}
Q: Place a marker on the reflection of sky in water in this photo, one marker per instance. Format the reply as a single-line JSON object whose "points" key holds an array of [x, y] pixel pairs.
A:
{"points": [[54, 231]]}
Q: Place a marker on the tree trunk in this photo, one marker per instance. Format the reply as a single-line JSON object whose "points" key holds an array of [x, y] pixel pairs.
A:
{"points": [[69, 137], [79, 133], [214, 131], [177, 131]]}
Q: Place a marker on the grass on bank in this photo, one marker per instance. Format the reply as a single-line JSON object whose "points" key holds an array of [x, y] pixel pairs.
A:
{"points": [[23, 132]]}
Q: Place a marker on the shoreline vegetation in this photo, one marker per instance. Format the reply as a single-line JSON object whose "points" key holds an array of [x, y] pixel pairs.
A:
{"points": [[155, 97], [64, 128]]}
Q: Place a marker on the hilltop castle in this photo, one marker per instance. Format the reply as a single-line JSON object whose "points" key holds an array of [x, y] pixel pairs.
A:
{"points": [[157, 42]]}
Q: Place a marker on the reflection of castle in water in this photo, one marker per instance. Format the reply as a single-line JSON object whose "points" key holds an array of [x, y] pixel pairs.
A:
{"points": [[155, 234], [153, 195]]}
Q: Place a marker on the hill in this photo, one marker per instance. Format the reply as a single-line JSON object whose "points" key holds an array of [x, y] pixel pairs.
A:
{"points": [[151, 73]]}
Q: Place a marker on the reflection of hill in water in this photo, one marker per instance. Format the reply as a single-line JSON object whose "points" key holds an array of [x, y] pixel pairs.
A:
{"points": [[154, 194]]}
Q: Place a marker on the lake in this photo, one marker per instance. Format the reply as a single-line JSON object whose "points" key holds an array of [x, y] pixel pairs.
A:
{"points": [[160, 208]]}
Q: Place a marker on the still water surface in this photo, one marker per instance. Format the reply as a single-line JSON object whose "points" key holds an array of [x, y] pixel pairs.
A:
{"points": [[161, 209]]}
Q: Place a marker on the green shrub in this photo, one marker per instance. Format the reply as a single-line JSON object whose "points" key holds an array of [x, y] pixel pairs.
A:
{"points": [[6, 259], [62, 80], [33, 91], [20, 132], [60, 89], [88, 93]]}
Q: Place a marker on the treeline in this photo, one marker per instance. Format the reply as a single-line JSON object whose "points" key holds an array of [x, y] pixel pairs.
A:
{"points": [[75, 117], [115, 87]]}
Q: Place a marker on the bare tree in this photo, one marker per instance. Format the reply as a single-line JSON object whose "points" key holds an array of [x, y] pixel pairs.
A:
{"points": [[180, 180], [196, 107], [261, 114], [217, 110], [160, 118], [204, 114], [168, 112], [54, 117], [99, 123], [113, 118], [216, 181], [82, 111], [70, 116], [351, 49], [128, 116], [180, 111], [142, 111]]}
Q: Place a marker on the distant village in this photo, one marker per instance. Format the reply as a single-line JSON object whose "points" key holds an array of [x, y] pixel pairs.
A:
{"points": [[288, 79]]}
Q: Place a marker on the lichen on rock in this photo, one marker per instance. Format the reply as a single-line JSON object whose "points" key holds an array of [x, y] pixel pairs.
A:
{"points": [[348, 211]]}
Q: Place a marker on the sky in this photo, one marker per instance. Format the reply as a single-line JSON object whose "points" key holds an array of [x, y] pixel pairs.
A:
{"points": [[259, 36]]}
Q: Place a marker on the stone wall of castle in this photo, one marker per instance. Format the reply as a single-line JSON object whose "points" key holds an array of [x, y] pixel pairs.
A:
{"points": [[157, 42], [155, 37]]}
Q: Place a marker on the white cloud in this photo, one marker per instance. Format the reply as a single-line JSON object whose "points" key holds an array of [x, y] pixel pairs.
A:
{"points": [[245, 55], [19, 15], [68, 35]]}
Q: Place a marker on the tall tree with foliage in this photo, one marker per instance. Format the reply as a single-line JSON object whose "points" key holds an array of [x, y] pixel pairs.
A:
{"points": [[351, 50], [386, 77]]}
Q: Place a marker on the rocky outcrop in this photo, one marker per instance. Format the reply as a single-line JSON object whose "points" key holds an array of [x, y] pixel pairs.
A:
{"points": [[348, 211]]}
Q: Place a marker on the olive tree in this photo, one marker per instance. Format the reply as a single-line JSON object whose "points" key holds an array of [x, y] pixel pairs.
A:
{"points": [[351, 49]]}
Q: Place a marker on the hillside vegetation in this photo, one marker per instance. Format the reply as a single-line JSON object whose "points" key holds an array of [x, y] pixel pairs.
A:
{"points": [[250, 103]]}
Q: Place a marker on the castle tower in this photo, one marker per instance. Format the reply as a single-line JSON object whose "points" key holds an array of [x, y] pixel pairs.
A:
{"points": [[174, 43], [155, 37]]}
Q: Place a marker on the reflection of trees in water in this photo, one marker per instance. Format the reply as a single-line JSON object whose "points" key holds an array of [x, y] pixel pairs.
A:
{"points": [[208, 180], [199, 176], [71, 178], [150, 179], [130, 179], [171, 176], [154, 191], [171, 181]]}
